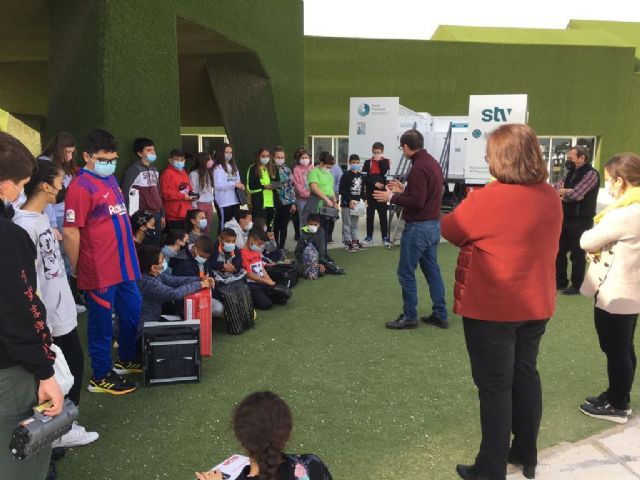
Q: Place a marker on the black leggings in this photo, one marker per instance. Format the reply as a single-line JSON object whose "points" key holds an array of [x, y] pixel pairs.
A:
{"points": [[225, 214], [72, 350], [381, 208], [266, 213], [281, 223]]}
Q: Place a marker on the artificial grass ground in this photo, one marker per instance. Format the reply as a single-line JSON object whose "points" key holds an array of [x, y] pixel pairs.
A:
{"points": [[372, 403]]}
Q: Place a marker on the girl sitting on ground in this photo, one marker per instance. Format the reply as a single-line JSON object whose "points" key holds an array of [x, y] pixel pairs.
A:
{"points": [[262, 424], [196, 223]]}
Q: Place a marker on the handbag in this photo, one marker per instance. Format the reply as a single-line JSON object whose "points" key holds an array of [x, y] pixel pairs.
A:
{"points": [[360, 210], [61, 370], [329, 212], [242, 196]]}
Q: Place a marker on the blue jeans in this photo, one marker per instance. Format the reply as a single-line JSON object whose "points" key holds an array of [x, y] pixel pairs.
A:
{"points": [[419, 244]]}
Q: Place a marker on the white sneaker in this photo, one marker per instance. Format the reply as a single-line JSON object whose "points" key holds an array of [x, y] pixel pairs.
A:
{"points": [[80, 308], [75, 437]]}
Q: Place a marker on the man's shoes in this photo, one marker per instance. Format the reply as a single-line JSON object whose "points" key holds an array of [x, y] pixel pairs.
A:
{"points": [[359, 246], [112, 383], [469, 472], [350, 247], [603, 399], [561, 286], [76, 437], [122, 368], [571, 291], [604, 412], [367, 241], [435, 321], [529, 471], [402, 323]]}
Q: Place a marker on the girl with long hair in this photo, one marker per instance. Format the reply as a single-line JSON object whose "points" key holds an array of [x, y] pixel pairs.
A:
{"points": [[202, 182], [260, 180], [226, 180]]}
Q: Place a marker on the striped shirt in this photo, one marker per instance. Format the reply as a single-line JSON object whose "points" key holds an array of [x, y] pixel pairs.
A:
{"points": [[584, 186]]}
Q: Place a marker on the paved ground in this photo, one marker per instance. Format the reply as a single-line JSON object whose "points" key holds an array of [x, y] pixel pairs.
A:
{"points": [[611, 455]]}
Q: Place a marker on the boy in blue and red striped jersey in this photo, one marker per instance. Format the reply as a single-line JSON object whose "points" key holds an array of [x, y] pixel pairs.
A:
{"points": [[99, 242]]}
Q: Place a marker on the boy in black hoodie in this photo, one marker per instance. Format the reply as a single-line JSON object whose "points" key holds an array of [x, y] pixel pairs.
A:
{"points": [[26, 359], [351, 192]]}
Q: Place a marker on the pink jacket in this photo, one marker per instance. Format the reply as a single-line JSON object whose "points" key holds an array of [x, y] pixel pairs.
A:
{"points": [[300, 180]]}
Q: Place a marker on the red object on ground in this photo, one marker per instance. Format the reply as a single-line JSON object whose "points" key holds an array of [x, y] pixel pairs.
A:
{"points": [[197, 306]]}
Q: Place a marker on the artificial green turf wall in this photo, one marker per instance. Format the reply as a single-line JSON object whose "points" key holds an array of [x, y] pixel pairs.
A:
{"points": [[573, 90]]}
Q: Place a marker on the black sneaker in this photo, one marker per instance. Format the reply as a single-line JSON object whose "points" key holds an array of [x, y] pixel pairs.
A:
{"points": [[602, 400], [571, 291], [401, 323], [435, 321], [122, 368], [604, 412], [349, 247], [359, 245], [112, 383]]}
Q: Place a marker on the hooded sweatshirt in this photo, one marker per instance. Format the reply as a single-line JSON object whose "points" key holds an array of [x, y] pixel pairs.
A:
{"points": [[52, 279]]}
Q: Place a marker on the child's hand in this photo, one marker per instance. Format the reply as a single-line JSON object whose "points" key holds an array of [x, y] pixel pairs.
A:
{"points": [[352, 204], [321, 267], [228, 267], [208, 282], [211, 475]]}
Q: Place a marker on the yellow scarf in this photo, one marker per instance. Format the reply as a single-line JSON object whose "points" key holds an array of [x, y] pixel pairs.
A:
{"points": [[631, 196]]}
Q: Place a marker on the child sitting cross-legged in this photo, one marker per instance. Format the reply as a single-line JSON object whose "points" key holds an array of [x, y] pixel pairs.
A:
{"points": [[226, 258], [158, 288], [311, 254]]}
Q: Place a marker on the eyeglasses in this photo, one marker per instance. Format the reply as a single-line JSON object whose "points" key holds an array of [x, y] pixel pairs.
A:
{"points": [[108, 161]]}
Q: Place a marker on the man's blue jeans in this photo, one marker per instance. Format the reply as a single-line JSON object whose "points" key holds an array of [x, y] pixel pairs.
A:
{"points": [[419, 245]]}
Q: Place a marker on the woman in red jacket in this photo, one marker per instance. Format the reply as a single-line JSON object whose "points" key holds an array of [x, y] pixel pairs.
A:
{"points": [[505, 291]]}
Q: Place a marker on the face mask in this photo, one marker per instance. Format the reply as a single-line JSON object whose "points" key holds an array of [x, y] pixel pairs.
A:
{"points": [[178, 165], [168, 252], [264, 160], [228, 157], [165, 265], [151, 157], [229, 247], [279, 161], [256, 248], [570, 165], [248, 227], [200, 260], [328, 169], [313, 228], [104, 169], [355, 167], [304, 162], [377, 156], [62, 193], [202, 223], [150, 234], [209, 163]]}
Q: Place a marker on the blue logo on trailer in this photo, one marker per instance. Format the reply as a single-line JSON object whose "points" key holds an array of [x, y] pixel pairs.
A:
{"points": [[476, 133], [364, 109]]}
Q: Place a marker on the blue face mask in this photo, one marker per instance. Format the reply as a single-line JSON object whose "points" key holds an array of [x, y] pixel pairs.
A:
{"points": [[256, 248], [168, 252], [178, 165], [104, 169], [355, 167], [229, 247], [200, 260], [152, 157], [165, 265], [202, 223]]}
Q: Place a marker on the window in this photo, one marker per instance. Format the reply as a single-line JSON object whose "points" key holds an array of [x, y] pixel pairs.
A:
{"points": [[193, 144], [337, 145], [554, 152]]}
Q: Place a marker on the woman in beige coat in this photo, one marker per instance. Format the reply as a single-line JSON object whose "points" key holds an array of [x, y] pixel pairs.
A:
{"points": [[613, 280]]}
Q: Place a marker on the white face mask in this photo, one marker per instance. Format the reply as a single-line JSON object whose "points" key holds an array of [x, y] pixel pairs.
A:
{"points": [[279, 161], [304, 162], [610, 189], [248, 226], [264, 160], [313, 228]]}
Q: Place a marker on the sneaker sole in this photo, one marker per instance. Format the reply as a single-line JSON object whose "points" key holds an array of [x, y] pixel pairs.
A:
{"points": [[611, 418], [125, 371], [93, 389]]}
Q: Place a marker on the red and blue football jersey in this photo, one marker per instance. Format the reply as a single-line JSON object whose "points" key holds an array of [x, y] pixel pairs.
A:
{"points": [[96, 206]]}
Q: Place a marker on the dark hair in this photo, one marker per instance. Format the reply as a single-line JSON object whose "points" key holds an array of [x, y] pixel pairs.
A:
{"points": [[46, 172], [16, 161], [191, 215], [139, 219], [228, 232], [626, 166], [55, 151], [257, 164], [262, 424], [354, 156], [257, 233], [379, 145], [313, 217], [171, 237], [205, 244], [581, 151], [204, 175], [220, 160], [300, 151], [98, 140], [259, 222], [413, 139], [242, 214], [278, 148], [141, 143], [148, 256], [175, 153], [326, 158]]}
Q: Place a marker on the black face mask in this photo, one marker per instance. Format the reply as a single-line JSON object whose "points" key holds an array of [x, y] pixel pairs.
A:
{"points": [[60, 196], [570, 165], [150, 235]]}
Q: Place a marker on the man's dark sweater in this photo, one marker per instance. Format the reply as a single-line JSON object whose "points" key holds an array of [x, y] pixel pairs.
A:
{"points": [[422, 195]]}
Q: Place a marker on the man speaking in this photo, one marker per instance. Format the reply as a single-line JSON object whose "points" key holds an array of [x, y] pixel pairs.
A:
{"points": [[420, 200]]}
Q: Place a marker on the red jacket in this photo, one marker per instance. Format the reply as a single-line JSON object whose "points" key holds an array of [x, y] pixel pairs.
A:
{"points": [[508, 237], [175, 204]]}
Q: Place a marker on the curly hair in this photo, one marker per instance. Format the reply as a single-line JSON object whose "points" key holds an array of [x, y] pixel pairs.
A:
{"points": [[262, 424]]}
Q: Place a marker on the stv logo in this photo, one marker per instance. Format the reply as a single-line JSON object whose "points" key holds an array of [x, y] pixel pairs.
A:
{"points": [[496, 114], [364, 109]]}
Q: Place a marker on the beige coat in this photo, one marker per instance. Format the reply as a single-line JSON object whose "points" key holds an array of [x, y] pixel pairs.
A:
{"points": [[614, 280]]}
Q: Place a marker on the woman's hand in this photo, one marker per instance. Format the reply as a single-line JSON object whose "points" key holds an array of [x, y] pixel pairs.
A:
{"points": [[329, 202], [239, 185], [293, 208], [210, 475]]}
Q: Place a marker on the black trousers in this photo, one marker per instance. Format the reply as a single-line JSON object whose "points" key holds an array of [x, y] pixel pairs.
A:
{"points": [[259, 295], [503, 365], [225, 214], [295, 218], [615, 333], [267, 213], [281, 223], [381, 208], [72, 350], [572, 230]]}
